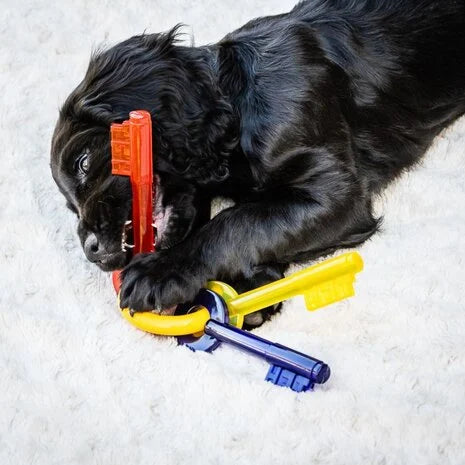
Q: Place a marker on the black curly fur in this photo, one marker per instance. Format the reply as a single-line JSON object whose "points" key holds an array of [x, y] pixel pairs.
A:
{"points": [[301, 118], [151, 72]]}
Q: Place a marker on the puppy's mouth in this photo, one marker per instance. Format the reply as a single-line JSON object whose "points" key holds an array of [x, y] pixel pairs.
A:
{"points": [[113, 261], [160, 221]]}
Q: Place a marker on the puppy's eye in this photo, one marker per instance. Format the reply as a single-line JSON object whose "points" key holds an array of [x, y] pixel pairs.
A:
{"points": [[81, 165]]}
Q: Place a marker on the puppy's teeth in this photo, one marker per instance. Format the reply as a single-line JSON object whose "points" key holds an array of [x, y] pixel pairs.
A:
{"points": [[125, 247]]}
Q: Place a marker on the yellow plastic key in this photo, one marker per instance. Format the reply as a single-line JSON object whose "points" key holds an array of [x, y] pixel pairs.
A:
{"points": [[321, 284]]}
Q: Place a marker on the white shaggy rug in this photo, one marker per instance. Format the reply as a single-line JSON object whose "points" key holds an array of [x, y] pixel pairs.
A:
{"points": [[78, 385]]}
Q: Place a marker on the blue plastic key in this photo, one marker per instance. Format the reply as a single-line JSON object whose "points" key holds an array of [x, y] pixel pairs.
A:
{"points": [[289, 368]]}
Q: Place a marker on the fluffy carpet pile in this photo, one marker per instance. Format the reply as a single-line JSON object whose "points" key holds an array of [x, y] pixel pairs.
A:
{"points": [[80, 386]]}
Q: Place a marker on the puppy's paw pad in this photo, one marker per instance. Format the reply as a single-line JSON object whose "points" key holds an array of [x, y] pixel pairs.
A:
{"points": [[254, 319]]}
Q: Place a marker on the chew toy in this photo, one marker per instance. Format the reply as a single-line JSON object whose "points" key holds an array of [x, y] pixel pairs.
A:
{"points": [[131, 155], [217, 313]]}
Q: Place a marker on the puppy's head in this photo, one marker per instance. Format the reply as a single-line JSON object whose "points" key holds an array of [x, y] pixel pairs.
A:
{"points": [[193, 133]]}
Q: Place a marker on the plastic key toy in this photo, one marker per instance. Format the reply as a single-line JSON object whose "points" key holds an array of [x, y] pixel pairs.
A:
{"points": [[289, 368], [131, 155], [322, 284], [217, 313]]}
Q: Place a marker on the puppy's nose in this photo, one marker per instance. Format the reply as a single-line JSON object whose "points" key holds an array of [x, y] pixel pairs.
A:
{"points": [[93, 249]]}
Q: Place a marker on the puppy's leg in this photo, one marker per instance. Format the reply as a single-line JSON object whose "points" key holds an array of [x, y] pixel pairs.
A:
{"points": [[323, 206]]}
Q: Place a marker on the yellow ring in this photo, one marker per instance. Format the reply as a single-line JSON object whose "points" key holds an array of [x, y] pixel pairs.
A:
{"points": [[169, 325], [181, 325]]}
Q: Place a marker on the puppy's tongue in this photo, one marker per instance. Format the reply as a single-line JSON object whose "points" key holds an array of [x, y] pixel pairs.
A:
{"points": [[161, 221]]}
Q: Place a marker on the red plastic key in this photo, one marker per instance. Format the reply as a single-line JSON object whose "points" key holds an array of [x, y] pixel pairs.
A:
{"points": [[131, 155]]}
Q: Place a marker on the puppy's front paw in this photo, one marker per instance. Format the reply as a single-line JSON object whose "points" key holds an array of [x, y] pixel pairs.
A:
{"points": [[160, 280]]}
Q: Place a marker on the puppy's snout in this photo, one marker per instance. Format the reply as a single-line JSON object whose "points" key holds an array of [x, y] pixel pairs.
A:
{"points": [[93, 248]]}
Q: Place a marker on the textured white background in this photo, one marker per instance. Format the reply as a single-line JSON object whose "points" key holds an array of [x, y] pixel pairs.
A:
{"points": [[80, 386]]}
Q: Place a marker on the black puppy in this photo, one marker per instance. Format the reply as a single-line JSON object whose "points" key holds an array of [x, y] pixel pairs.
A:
{"points": [[301, 118]]}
